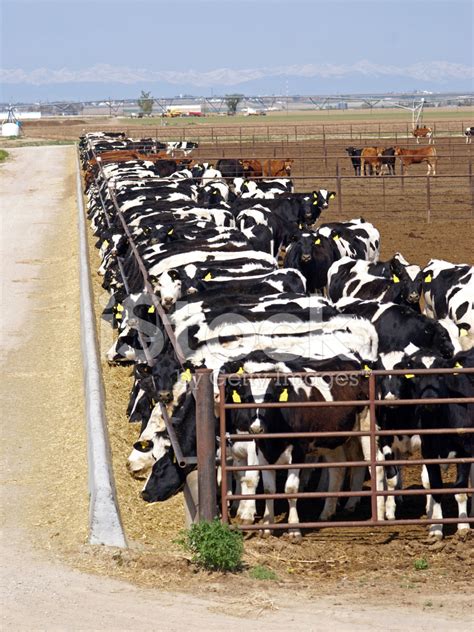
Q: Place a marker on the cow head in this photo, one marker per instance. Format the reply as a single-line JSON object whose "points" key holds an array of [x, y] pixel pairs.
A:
{"points": [[409, 276], [168, 287], [256, 390]]}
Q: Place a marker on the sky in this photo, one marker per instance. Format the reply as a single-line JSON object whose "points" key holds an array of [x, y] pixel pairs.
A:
{"points": [[92, 50]]}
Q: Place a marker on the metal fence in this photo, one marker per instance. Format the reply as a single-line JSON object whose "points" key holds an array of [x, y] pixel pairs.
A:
{"points": [[288, 133], [206, 431], [253, 134]]}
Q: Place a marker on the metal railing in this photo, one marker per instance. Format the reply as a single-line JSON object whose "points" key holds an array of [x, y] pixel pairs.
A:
{"points": [[207, 420]]}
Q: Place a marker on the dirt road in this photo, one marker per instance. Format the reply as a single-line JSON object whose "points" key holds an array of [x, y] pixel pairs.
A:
{"points": [[44, 475]]}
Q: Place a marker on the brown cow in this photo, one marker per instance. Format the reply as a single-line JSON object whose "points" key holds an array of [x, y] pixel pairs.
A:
{"points": [[370, 156], [412, 156], [423, 132], [252, 168], [278, 167]]}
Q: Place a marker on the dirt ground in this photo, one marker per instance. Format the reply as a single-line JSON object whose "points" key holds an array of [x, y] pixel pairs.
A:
{"points": [[356, 579]]}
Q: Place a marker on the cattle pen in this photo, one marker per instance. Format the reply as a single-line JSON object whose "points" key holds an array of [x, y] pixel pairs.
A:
{"points": [[205, 428], [323, 162]]}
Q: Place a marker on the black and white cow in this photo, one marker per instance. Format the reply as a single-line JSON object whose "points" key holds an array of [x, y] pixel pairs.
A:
{"points": [[314, 252], [270, 420], [455, 416], [448, 291], [399, 326], [394, 281], [469, 133]]}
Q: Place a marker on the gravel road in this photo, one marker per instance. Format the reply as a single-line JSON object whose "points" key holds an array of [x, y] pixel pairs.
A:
{"points": [[44, 510]]}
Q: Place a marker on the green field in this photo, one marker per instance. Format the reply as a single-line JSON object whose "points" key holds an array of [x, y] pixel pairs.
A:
{"points": [[318, 116]]}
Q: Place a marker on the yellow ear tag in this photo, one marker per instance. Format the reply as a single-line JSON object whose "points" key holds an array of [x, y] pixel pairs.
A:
{"points": [[428, 278], [336, 237], [119, 307], [186, 376], [284, 395], [106, 243], [208, 277], [144, 445], [395, 279], [240, 371], [458, 365], [332, 196], [317, 242], [151, 310], [170, 232], [409, 376], [462, 332], [300, 226], [367, 369], [315, 203], [236, 398]]}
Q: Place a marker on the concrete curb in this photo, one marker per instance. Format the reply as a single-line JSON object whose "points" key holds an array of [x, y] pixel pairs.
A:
{"points": [[105, 526]]}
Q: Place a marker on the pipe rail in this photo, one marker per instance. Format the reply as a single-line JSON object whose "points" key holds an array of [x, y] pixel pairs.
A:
{"points": [[181, 459], [373, 432]]}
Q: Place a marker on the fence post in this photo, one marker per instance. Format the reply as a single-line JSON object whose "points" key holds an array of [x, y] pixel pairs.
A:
{"points": [[373, 449], [428, 198], [383, 193], [206, 444], [338, 188], [471, 186]]}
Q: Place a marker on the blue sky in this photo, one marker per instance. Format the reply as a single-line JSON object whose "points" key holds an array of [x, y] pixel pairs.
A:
{"points": [[91, 50]]}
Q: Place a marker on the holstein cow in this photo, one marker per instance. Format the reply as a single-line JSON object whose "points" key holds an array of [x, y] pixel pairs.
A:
{"points": [[455, 416], [399, 326], [448, 291], [257, 420], [393, 281], [469, 133], [413, 156], [423, 132]]}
